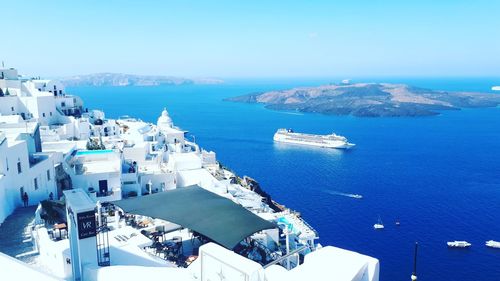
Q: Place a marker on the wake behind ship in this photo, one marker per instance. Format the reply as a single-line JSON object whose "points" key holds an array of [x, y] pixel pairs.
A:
{"points": [[329, 141]]}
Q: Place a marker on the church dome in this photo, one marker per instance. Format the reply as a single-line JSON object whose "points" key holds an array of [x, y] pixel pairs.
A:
{"points": [[164, 120]]}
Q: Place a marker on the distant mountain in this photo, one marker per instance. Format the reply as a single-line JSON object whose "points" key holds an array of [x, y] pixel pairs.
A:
{"points": [[120, 79], [369, 99]]}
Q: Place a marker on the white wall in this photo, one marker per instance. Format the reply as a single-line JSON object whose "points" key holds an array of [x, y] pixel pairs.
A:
{"points": [[168, 179], [136, 153], [47, 107], [12, 181], [7, 103], [11, 84], [9, 73]]}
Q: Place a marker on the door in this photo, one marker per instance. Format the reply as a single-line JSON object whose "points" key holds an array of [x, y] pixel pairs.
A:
{"points": [[21, 192], [103, 187]]}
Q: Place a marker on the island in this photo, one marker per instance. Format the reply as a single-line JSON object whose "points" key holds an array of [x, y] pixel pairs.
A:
{"points": [[121, 79], [369, 100]]}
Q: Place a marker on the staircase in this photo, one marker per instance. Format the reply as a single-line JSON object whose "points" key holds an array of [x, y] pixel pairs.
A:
{"points": [[15, 234]]}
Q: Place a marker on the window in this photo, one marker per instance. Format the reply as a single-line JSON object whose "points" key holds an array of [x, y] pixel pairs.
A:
{"points": [[19, 169], [43, 114], [50, 113], [12, 108], [35, 183], [48, 175], [63, 104]]}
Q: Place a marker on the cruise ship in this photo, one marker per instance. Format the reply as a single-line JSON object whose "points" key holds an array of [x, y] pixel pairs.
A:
{"points": [[328, 141], [124, 199]]}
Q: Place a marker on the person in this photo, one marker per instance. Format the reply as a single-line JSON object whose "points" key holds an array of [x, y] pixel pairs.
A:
{"points": [[51, 196], [25, 199]]}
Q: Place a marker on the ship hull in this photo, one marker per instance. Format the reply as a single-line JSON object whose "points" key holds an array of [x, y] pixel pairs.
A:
{"points": [[329, 144]]}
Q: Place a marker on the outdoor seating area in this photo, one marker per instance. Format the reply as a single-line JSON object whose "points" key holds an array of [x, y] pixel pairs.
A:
{"points": [[181, 207], [59, 231], [179, 247], [52, 216], [169, 241], [177, 227], [170, 250]]}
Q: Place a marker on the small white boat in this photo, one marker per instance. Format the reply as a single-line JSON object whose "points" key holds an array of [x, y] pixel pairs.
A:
{"points": [[495, 88], [458, 244], [357, 196], [379, 224], [493, 244]]}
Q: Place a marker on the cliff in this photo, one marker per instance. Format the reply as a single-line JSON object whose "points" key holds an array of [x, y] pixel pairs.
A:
{"points": [[120, 79]]}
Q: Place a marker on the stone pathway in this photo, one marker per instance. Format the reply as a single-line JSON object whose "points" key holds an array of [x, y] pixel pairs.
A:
{"points": [[15, 238]]}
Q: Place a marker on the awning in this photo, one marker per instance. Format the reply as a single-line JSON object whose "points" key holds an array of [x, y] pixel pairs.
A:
{"points": [[200, 210]]}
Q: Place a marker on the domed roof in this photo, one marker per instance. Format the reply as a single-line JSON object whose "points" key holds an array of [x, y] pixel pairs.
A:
{"points": [[164, 120], [164, 113]]}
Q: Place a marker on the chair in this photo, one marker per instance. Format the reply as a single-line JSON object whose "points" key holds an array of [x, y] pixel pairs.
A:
{"points": [[178, 241]]}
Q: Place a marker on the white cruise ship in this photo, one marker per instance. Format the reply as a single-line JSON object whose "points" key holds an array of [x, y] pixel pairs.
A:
{"points": [[329, 141]]}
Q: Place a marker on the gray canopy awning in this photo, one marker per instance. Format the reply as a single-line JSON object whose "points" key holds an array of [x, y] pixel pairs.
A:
{"points": [[200, 210]]}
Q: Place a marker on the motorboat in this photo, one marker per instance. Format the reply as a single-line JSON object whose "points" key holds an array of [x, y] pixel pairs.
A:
{"points": [[459, 244], [493, 244]]}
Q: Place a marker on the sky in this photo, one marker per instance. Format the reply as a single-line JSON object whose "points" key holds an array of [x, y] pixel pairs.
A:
{"points": [[253, 39]]}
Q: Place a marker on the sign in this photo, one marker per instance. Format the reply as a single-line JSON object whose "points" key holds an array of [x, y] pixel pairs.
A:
{"points": [[86, 224]]}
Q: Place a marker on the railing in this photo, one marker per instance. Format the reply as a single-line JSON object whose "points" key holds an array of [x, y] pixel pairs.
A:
{"points": [[283, 258]]}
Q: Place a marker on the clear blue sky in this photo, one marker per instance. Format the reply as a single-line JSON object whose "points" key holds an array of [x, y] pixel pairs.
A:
{"points": [[253, 39]]}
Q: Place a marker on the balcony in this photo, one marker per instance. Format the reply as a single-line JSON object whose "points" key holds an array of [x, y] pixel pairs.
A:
{"points": [[112, 195]]}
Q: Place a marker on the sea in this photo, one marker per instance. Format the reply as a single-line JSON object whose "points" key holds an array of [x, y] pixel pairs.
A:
{"points": [[439, 176]]}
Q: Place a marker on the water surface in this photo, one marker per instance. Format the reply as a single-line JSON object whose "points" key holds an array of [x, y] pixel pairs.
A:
{"points": [[439, 176]]}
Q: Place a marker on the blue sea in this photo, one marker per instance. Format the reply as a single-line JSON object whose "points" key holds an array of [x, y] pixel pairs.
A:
{"points": [[439, 176]]}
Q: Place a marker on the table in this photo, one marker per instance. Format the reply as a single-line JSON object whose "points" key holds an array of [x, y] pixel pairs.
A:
{"points": [[58, 227]]}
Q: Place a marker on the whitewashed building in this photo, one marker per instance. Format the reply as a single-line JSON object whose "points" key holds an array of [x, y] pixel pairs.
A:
{"points": [[24, 168]]}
